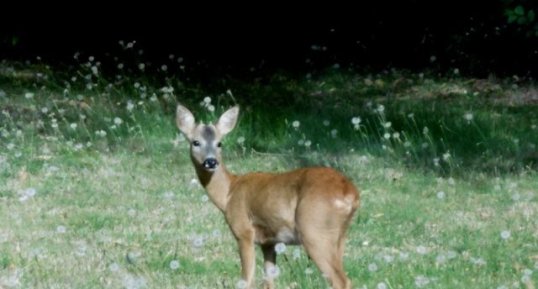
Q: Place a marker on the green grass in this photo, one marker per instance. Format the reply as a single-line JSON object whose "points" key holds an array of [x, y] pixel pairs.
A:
{"points": [[97, 190]]}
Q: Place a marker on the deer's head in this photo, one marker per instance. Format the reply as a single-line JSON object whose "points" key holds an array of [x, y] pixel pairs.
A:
{"points": [[205, 139]]}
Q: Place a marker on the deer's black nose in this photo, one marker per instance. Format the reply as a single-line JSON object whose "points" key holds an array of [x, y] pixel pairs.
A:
{"points": [[210, 163]]}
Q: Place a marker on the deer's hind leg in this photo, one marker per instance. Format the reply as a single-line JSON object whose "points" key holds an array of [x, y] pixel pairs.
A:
{"points": [[323, 237]]}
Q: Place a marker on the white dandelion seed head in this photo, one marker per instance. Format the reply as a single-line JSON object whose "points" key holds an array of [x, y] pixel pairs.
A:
{"points": [[280, 248], [11, 279], [207, 100], [30, 192], [164, 67], [308, 271], [326, 122], [141, 66], [211, 108], [422, 250], [441, 195], [372, 267], [478, 261], [505, 234], [198, 242], [403, 256], [451, 254], [387, 124], [356, 120], [388, 258], [174, 264], [334, 133], [133, 282], [421, 281], [118, 121], [296, 124], [216, 233], [380, 108], [100, 133], [61, 229], [168, 195], [241, 140], [29, 95], [272, 272], [386, 135], [381, 285], [73, 126], [194, 182], [468, 116], [516, 197], [241, 284], [440, 259], [130, 105], [307, 143], [296, 253], [131, 212], [27, 194], [396, 135], [114, 267]]}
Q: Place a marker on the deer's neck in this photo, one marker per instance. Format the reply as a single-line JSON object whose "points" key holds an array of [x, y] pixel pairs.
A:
{"points": [[217, 185]]}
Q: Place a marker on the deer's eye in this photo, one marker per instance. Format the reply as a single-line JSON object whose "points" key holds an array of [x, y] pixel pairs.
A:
{"points": [[196, 143], [219, 144]]}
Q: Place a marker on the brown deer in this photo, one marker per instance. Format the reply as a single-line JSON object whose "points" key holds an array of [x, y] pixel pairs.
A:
{"points": [[308, 206]]}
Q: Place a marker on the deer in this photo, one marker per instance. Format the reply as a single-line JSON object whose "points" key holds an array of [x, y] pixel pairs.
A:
{"points": [[312, 206]]}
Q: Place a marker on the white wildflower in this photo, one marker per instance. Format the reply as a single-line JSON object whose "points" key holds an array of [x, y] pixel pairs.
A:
{"points": [[280, 248], [174, 264]]}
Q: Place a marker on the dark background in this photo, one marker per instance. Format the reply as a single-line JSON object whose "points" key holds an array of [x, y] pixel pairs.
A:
{"points": [[474, 36]]}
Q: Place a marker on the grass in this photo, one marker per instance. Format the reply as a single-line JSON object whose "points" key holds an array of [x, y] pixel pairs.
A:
{"points": [[97, 189]]}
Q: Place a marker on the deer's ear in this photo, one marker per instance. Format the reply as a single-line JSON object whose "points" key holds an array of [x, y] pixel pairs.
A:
{"points": [[184, 120], [227, 120]]}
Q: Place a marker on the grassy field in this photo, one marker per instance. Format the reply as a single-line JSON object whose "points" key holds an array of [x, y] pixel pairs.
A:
{"points": [[97, 189]]}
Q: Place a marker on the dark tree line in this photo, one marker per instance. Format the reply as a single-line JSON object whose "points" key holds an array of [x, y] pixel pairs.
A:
{"points": [[476, 37]]}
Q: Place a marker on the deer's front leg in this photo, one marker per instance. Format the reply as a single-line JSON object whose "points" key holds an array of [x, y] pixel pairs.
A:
{"points": [[248, 258]]}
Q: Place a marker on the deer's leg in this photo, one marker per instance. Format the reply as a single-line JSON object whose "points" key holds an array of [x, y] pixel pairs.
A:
{"points": [[323, 237], [269, 262], [248, 258], [325, 255]]}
